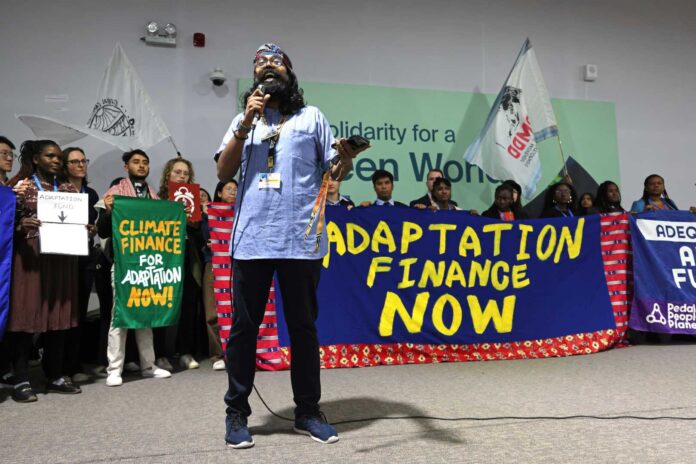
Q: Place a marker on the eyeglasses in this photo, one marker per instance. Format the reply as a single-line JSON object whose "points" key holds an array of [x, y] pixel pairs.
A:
{"points": [[230, 190], [273, 59], [78, 162], [8, 155]]}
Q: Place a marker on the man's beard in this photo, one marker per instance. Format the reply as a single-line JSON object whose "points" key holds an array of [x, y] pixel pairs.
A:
{"points": [[136, 177], [278, 88]]}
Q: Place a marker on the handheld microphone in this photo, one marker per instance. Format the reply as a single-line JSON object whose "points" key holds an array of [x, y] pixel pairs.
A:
{"points": [[257, 115]]}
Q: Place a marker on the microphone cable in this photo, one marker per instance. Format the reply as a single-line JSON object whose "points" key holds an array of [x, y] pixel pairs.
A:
{"points": [[243, 179], [487, 419]]}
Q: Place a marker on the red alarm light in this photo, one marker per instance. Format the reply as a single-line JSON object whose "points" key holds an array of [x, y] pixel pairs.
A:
{"points": [[199, 39]]}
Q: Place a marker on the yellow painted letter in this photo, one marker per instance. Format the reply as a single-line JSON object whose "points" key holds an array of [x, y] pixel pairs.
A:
{"points": [[439, 308], [333, 233], [442, 228], [410, 233], [469, 241], [574, 244], [406, 281], [378, 264], [351, 230], [393, 305], [542, 254], [497, 229], [525, 229], [383, 236], [480, 319]]}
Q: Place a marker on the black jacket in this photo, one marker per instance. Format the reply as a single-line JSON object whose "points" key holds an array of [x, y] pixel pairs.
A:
{"points": [[494, 212], [425, 201]]}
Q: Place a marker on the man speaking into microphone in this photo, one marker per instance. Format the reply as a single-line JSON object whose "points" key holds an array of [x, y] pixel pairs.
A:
{"points": [[283, 148]]}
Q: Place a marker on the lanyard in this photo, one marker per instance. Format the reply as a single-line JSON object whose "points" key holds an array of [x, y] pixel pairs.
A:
{"points": [[665, 205], [272, 138], [568, 213], [38, 184]]}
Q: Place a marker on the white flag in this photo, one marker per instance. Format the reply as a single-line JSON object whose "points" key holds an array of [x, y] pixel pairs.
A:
{"points": [[520, 118], [52, 129], [123, 114]]}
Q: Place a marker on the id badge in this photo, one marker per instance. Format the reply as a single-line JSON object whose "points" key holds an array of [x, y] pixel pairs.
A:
{"points": [[269, 180]]}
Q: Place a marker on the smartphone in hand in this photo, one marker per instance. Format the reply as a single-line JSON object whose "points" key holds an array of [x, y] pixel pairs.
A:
{"points": [[356, 142]]}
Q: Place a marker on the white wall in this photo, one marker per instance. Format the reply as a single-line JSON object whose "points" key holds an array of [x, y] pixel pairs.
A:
{"points": [[645, 51]]}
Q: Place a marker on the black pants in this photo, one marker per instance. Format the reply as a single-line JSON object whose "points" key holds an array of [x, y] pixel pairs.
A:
{"points": [[21, 344], [102, 284], [5, 355], [75, 335], [298, 280], [182, 337]]}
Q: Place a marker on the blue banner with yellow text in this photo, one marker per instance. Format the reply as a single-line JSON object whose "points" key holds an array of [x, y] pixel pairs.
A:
{"points": [[400, 275], [7, 214]]}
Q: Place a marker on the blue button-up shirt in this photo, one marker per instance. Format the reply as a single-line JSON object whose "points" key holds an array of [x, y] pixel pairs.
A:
{"points": [[272, 222]]}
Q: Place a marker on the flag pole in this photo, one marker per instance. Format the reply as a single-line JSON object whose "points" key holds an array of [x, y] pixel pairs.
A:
{"points": [[563, 158], [178, 153]]}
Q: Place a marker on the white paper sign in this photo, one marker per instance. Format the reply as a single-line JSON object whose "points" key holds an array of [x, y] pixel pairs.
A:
{"points": [[63, 239], [63, 207]]}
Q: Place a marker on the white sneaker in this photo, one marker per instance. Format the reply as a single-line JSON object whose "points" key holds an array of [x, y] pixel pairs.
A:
{"points": [[163, 363], [114, 380], [187, 362], [219, 365], [157, 373], [131, 367]]}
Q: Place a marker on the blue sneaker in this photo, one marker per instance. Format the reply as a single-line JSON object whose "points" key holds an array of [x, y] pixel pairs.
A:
{"points": [[237, 434], [317, 427]]}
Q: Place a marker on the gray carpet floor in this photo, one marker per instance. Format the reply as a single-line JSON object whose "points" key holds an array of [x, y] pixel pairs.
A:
{"points": [[181, 420]]}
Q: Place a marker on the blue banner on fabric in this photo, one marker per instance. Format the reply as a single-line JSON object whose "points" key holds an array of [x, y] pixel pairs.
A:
{"points": [[7, 215], [664, 272], [401, 275]]}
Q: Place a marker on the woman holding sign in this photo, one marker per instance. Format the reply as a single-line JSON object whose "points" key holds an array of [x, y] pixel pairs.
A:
{"points": [[44, 288], [180, 171]]}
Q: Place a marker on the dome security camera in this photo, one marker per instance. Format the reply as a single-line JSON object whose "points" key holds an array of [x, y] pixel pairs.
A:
{"points": [[217, 77]]}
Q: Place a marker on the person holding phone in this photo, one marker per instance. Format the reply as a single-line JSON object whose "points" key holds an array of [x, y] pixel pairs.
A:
{"points": [[282, 148]]}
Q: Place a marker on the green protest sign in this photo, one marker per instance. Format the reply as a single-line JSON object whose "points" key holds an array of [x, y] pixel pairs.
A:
{"points": [[149, 237]]}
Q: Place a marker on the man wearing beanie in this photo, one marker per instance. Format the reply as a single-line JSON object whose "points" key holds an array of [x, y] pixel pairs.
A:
{"points": [[283, 148]]}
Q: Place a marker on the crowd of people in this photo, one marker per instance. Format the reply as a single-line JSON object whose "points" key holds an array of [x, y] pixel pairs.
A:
{"points": [[50, 293], [560, 198]]}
